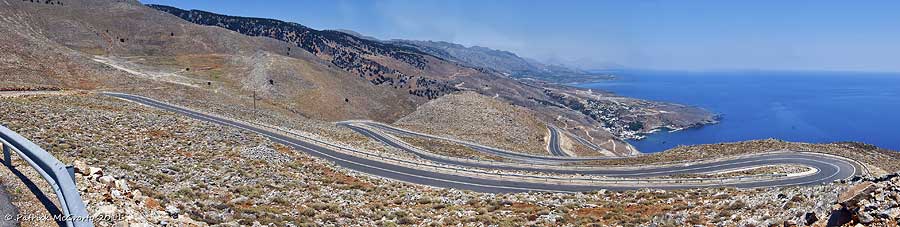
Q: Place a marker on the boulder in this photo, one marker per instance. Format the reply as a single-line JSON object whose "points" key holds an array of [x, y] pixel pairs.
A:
{"points": [[892, 213], [94, 171], [106, 210], [136, 195], [810, 218], [231, 224], [851, 197], [80, 167], [839, 217], [107, 180], [121, 185], [790, 223], [865, 218], [172, 211]]}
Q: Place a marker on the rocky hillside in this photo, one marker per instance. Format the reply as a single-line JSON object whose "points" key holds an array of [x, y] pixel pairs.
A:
{"points": [[270, 67], [151, 167], [873, 201], [392, 66], [380, 63], [473, 117], [124, 45], [430, 70], [31, 59]]}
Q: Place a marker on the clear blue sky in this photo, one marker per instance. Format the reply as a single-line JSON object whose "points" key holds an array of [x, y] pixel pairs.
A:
{"points": [[679, 35]]}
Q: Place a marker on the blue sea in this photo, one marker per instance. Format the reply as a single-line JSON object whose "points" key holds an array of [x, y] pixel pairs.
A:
{"points": [[816, 107]]}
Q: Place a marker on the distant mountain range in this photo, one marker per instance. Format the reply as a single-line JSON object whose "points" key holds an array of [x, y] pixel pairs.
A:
{"points": [[349, 50], [504, 62]]}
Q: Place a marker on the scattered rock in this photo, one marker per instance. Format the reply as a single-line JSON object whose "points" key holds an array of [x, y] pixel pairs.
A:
{"points": [[238, 200], [265, 153], [181, 154]]}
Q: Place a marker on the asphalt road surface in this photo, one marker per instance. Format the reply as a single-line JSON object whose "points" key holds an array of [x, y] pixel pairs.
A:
{"points": [[814, 160], [478, 147], [829, 168], [554, 147]]}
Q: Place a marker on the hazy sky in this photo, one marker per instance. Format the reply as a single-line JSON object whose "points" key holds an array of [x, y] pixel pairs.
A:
{"points": [[681, 35]]}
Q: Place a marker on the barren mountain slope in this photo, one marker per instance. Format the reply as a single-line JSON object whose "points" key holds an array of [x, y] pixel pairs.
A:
{"points": [[157, 46], [473, 117], [418, 73], [405, 69], [29, 59], [122, 45]]}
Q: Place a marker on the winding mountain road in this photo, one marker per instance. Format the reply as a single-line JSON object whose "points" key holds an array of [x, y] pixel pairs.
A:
{"points": [[517, 156], [828, 168], [554, 147], [817, 161]]}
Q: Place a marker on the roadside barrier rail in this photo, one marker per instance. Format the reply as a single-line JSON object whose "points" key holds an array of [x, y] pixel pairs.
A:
{"points": [[53, 171]]}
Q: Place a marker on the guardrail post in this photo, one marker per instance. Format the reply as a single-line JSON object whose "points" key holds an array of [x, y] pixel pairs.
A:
{"points": [[6, 160], [71, 170], [70, 202]]}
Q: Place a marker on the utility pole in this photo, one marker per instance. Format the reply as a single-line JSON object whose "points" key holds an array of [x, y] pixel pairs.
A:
{"points": [[254, 101]]}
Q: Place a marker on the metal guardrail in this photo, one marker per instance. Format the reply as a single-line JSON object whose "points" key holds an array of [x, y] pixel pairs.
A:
{"points": [[55, 172]]}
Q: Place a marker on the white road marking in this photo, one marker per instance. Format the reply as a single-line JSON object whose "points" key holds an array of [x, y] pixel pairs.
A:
{"points": [[164, 106]]}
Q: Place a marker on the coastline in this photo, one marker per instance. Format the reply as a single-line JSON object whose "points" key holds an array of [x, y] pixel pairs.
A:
{"points": [[759, 105], [668, 129]]}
